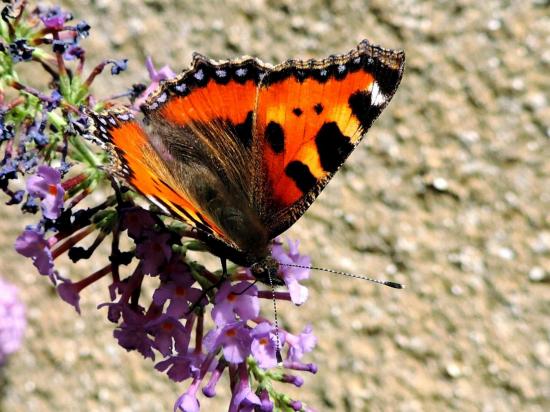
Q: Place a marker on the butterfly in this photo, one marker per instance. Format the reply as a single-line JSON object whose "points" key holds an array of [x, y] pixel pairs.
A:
{"points": [[240, 149]]}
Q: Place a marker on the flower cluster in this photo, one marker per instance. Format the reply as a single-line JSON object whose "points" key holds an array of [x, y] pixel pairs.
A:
{"points": [[12, 320], [198, 324]]}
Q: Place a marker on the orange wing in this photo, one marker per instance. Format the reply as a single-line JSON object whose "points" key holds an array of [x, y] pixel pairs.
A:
{"points": [[140, 164], [311, 115], [220, 95], [196, 145]]}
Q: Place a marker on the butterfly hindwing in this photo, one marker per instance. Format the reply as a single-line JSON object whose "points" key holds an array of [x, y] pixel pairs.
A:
{"points": [[143, 166], [310, 115]]}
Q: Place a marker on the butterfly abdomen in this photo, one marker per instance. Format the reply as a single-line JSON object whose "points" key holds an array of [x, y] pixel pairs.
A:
{"points": [[231, 213]]}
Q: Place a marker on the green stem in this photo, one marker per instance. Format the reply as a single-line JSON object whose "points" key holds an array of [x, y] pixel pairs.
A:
{"points": [[85, 152]]}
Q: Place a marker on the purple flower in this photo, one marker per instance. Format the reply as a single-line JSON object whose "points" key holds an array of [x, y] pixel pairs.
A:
{"points": [[234, 338], [240, 299], [83, 28], [297, 381], [12, 320], [264, 345], [46, 185], [188, 402], [166, 331], [118, 66], [296, 405], [70, 293], [243, 400], [177, 269], [20, 51], [299, 366], [59, 46], [267, 404], [132, 334], [54, 18], [154, 251], [156, 76], [180, 294], [299, 345], [16, 197], [29, 206], [182, 366], [31, 243], [73, 52], [39, 138], [7, 172], [292, 275], [137, 221], [7, 129], [210, 388]]}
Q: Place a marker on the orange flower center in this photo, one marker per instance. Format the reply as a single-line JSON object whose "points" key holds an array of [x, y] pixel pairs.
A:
{"points": [[52, 189], [231, 333], [167, 326], [231, 297], [180, 291], [263, 341]]}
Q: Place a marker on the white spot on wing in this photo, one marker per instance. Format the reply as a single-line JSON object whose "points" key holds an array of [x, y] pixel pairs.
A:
{"points": [[162, 98], [377, 97], [199, 75], [341, 68], [241, 72], [221, 73], [181, 87]]}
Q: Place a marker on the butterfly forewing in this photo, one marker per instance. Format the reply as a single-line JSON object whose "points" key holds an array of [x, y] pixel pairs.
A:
{"points": [[311, 115]]}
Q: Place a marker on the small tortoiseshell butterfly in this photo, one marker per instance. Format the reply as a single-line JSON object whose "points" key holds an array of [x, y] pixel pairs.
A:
{"points": [[240, 149]]}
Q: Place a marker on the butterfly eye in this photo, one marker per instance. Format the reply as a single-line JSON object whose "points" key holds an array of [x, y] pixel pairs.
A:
{"points": [[257, 269]]}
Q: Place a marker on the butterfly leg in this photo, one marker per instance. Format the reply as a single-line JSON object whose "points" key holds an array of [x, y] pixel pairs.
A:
{"points": [[248, 287]]}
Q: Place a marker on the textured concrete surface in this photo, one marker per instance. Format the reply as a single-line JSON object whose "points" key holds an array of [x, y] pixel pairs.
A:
{"points": [[449, 194]]}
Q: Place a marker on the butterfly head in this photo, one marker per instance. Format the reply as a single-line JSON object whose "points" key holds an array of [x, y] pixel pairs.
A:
{"points": [[265, 269]]}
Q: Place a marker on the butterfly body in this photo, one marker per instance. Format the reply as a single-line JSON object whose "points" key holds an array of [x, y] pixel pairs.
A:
{"points": [[240, 149]]}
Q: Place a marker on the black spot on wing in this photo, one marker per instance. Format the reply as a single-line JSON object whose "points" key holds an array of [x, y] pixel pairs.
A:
{"points": [[318, 108], [297, 111], [301, 175], [361, 107], [333, 146], [275, 136], [243, 131]]}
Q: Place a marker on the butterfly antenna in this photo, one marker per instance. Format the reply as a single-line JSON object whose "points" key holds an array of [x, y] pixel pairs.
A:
{"points": [[277, 340], [394, 285]]}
